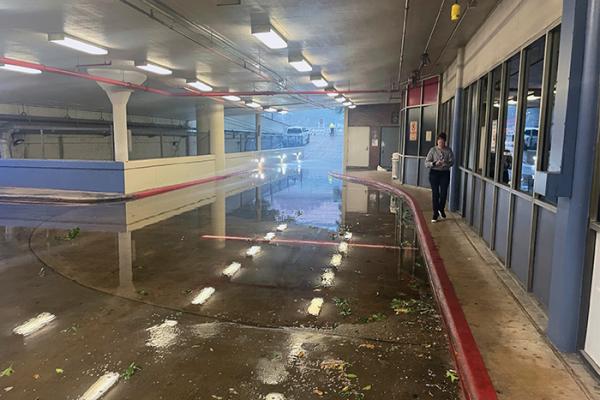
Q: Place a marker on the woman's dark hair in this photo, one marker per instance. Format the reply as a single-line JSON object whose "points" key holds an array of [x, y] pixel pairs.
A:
{"points": [[442, 136]]}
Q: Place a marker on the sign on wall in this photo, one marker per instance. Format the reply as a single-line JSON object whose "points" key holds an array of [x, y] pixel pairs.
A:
{"points": [[413, 131]]}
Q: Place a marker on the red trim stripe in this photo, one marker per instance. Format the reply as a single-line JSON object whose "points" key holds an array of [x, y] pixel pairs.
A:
{"points": [[475, 380]]}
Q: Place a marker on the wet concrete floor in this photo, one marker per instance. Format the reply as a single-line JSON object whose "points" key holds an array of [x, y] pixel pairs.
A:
{"points": [[122, 287]]}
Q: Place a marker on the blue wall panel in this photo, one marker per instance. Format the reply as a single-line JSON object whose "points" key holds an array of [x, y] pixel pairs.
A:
{"points": [[501, 238], [488, 209], [520, 241], [92, 176], [542, 264]]}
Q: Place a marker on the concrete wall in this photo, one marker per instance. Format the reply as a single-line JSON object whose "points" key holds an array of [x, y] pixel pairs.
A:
{"points": [[512, 25]]}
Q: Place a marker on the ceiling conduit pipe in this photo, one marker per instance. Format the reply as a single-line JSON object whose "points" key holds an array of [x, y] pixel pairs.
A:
{"points": [[189, 93], [402, 43]]}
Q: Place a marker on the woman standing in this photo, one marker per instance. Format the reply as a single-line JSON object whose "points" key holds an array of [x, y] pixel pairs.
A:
{"points": [[439, 160]]}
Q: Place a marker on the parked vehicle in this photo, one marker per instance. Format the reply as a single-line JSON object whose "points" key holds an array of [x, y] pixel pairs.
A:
{"points": [[296, 136]]}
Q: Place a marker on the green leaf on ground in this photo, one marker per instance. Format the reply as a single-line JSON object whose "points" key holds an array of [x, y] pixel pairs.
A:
{"points": [[452, 375], [130, 371], [7, 372], [73, 233], [59, 371], [343, 306]]}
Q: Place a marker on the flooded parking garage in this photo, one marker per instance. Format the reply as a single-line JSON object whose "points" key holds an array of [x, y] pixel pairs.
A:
{"points": [[336, 304]]}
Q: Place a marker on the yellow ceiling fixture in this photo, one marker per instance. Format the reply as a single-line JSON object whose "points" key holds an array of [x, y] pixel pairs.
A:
{"points": [[455, 12]]}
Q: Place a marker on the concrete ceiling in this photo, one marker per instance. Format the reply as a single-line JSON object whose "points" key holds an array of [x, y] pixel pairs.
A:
{"points": [[355, 43]]}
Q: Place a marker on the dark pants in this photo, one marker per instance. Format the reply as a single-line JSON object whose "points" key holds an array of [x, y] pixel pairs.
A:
{"points": [[439, 181]]}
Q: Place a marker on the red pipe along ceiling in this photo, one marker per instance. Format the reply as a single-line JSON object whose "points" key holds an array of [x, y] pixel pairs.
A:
{"points": [[188, 93]]}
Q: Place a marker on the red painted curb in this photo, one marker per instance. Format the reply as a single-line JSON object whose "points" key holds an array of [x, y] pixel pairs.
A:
{"points": [[475, 380], [164, 189]]}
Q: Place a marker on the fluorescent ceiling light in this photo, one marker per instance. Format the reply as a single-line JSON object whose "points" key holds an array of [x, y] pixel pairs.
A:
{"points": [[155, 69], [17, 68], [203, 296], [299, 62], [281, 228], [336, 260], [270, 236], [34, 324], [340, 99], [332, 94], [232, 269], [343, 248], [252, 251], [347, 103], [76, 44], [352, 106], [101, 386], [203, 87], [232, 98], [348, 235], [269, 36], [271, 109], [314, 308], [318, 81], [252, 104], [283, 112], [533, 97]]}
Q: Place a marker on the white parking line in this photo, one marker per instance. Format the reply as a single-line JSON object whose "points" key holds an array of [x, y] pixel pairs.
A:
{"points": [[203, 296], [102, 385], [34, 324], [314, 307], [232, 269]]}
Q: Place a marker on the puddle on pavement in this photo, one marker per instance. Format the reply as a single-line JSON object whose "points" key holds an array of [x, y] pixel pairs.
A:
{"points": [[377, 334]]}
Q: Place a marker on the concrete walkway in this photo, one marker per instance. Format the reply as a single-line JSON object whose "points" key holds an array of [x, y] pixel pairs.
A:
{"points": [[56, 196], [521, 361]]}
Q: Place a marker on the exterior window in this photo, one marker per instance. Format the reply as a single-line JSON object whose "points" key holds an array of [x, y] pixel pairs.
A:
{"points": [[465, 126], [534, 69], [481, 133], [511, 103], [554, 38], [473, 126], [413, 126], [494, 122]]}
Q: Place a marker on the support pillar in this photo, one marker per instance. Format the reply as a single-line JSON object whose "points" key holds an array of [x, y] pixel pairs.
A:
{"points": [[576, 104], [456, 132], [218, 212], [202, 130], [258, 132], [211, 118], [125, 249], [119, 97]]}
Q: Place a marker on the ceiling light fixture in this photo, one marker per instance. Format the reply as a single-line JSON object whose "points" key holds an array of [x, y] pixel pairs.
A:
{"points": [[153, 68], [347, 103], [76, 44], [283, 112], [300, 63], [270, 109], [17, 68], [196, 84], [353, 106], [232, 98], [252, 104], [340, 99], [318, 80], [269, 36]]}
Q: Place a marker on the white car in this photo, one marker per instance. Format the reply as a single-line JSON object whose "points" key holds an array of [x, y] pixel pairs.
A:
{"points": [[296, 136]]}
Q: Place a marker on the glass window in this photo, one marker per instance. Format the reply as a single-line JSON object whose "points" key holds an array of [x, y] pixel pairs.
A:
{"points": [[494, 122], [481, 133], [413, 125], [466, 125], [554, 38], [428, 129], [511, 102], [528, 138], [473, 126]]}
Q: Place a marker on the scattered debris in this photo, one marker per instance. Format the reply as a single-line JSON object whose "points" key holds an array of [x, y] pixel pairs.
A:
{"points": [[369, 346], [411, 306], [7, 372], [59, 371], [130, 371], [142, 292], [8, 388], [343, 306], [452, 375], [164, 335], [274, 396]]}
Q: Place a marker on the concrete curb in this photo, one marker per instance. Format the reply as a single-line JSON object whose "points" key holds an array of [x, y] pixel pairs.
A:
{"points": [[474, 378]]}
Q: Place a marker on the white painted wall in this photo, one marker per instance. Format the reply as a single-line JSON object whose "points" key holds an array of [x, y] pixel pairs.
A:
{"points": [[592, 341], [512, 25]]}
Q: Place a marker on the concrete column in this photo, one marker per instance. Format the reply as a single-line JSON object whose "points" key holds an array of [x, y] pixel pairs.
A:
{"points": [[125, 250], [191, 145], [211, 118], [202, 129], [455, 140], [258, 132], [5, 142], [346, 137], [119, 97], [218, 212], [580, 18]]}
